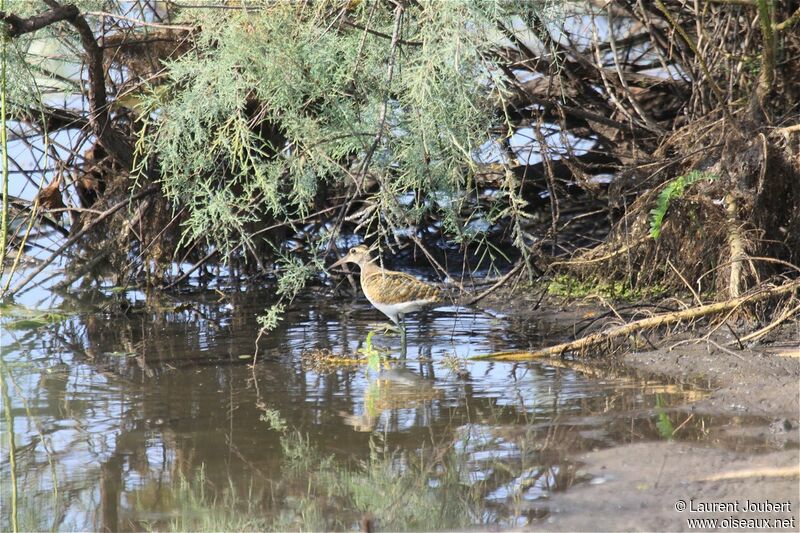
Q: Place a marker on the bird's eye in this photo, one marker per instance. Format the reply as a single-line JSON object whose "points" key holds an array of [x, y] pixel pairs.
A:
{"points": [[352, 250]]}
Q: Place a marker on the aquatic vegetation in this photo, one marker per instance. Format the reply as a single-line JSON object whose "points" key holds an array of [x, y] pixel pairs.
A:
{"points": [[274, 419], [572, 287], [374, 356], [323, 360]]}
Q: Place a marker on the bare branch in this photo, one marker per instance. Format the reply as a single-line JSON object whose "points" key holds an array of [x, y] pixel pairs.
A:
{"points": [[19, 26], [116, 145]]}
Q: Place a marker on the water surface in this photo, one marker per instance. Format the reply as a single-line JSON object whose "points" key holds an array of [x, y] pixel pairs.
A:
{"points": [[130, 413]]}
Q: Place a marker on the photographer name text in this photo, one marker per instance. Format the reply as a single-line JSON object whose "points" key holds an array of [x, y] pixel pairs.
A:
{"points": [[746, 506]]}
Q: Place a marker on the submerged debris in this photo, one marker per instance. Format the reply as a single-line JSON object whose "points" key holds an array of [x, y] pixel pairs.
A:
{"points": [[323, 360]]}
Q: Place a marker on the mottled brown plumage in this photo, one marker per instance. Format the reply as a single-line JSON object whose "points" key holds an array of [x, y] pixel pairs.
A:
{"points": [[393, 293], [390, 287]]}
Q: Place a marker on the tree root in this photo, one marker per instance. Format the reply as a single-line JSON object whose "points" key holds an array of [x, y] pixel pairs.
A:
{"points": [[737, 249], [664, 319]]}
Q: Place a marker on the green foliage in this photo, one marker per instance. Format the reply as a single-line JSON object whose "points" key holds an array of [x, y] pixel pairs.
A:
{"points": [[293, 275], [674, 189], [319, 89], [272, 317], [42, 65], [18, 317], [373, 355], [200, 510]]}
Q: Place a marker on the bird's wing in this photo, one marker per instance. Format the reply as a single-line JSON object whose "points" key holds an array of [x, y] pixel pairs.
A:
{"points": [[389, 287]]}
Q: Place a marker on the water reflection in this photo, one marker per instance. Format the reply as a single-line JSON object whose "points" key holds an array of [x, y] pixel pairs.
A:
{"points": [[115, 411]]}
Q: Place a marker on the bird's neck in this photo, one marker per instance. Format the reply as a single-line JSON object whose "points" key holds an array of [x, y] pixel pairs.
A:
{"points": [[368, 266]]}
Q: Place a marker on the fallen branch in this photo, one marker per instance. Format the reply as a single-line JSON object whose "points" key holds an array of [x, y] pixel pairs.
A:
{"points": [[644, 324], [786, 315]]}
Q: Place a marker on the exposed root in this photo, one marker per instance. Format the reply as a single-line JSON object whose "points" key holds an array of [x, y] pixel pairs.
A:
{"points": [[622, 332], [736, 245]]}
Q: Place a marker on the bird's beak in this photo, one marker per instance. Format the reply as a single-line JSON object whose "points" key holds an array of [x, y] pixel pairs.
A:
{"points": [[340, 262]]}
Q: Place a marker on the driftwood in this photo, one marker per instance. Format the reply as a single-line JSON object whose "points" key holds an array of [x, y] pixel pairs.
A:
{"points": [[664, 319]]}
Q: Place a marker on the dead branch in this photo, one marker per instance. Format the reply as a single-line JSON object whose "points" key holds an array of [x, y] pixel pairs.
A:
{"points": [[498, 284], [736, 246], [664, 319], [789, 22], [72, 240]]}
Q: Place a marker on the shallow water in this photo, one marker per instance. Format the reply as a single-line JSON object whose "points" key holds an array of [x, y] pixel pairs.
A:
{"points": [[131, 414]]}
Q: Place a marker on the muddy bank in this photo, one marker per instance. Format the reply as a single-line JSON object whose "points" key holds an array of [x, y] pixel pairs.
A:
{"points": [[763, 381], [640, 487], [636, 487]]}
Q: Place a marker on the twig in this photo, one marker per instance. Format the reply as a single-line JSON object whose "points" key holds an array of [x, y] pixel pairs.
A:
{"points": [[793, 19], [786, 315], [647, 323], [380, 34], [4, 148], [139, 22], [434, 262], [767, 76], [615, 253], [688, 286], [649, 123], [398, 19], [18, 26], [767, 472], [691, 44], [194, 267], [498, 284]]}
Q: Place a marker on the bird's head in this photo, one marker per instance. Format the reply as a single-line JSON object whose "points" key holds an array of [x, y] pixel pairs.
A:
{"points": [[357, 254]]}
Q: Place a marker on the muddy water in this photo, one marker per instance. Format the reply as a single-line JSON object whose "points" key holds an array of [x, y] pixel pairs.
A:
{"points": [[129, 415]]}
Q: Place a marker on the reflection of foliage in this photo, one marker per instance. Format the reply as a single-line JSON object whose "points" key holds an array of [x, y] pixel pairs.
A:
{"points": [[200, 510], [663, 424], [24, 318], [319, 493], [274, 419]]}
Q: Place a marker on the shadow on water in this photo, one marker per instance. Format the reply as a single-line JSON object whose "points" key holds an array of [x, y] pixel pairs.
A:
{"points": [[152, 417]]}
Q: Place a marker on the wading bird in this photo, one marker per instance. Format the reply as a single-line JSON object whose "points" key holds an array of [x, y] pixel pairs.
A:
{"points": [[395, 294]]}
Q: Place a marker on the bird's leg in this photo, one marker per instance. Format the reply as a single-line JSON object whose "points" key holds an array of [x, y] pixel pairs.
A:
{"points": [[403, 346]]}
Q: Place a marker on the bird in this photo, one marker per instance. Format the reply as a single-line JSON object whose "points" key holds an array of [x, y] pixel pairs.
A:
{"points": [[395, 294]]}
